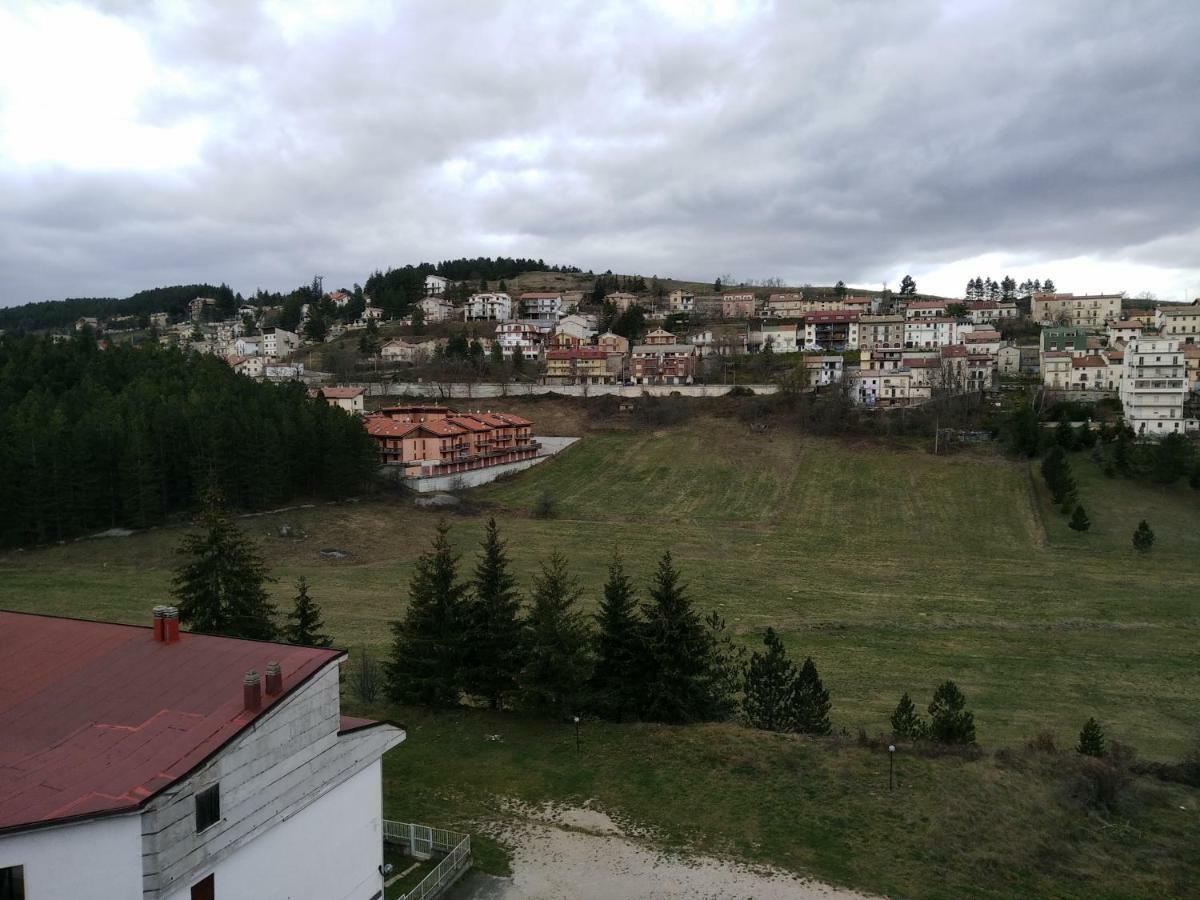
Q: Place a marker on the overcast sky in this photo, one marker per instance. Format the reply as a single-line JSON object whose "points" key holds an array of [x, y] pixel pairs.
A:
{"points": [[144, 144]]}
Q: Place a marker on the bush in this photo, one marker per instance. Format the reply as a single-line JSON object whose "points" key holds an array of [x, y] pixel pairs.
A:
{"points": [[1100, 784], [544, 508], [1143, 538], [1044, 741], [740, 390], [1091, 739], [1079, 520], [366, 681]]}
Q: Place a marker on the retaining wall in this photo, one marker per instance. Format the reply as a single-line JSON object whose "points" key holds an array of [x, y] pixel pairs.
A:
{"points": [[467, 391]]}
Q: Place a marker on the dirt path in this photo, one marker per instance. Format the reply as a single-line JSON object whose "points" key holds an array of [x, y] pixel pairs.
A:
{"points": [[584, 855]]}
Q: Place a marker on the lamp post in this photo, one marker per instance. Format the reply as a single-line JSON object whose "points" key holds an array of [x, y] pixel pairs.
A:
{"points": [[577, 734], [891, 767]]}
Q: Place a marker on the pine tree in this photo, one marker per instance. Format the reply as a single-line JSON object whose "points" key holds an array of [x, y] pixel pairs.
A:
{"points": [[304, 625], [810, 701], [220, 585], [726, 669], [616, 681], [676, 650], [427, 643], [1064, 434], [1121, 451], [770, 678], [558, 657], [1048, 286], [908, 286], [1091, 739], [1143, 538], [949, 721], [492, 642], [906, 721], [1079, 520]]}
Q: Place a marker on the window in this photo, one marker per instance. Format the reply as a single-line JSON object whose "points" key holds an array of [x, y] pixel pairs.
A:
{"points": [[208, 808], [205, 889], [12, 883]]}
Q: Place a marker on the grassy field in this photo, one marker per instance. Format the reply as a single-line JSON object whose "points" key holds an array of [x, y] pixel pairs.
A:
{"points": [[894, 569]]}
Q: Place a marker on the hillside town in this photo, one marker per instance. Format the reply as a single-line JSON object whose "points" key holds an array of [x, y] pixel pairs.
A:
{"points": [[885, 350]]}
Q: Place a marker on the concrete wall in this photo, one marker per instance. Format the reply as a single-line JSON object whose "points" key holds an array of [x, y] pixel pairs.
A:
{"points": [[289, 758], [100, 858], [462, 391], [330, 849], [476, 477]]}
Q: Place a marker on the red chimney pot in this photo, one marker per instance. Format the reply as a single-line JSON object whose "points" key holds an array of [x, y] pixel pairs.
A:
{"points": [[159, 626], [170, 624], [252, 692], [274, 678]]}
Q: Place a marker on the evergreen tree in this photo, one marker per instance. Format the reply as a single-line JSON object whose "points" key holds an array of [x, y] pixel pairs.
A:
{"points": [[1048, 286], [427, 643], [1143, 537], [497, 354], [906, 721], [219, 586], [726, 669], [839, 289], [1091, 739], [558, 660], [1121, 451], [304, 625], [616, 680], [908, 286], [1064, 434], [676, 651], [368, 343], [770, 679], [1079, 520], [810, 701], [492, 643], [949, 720]]}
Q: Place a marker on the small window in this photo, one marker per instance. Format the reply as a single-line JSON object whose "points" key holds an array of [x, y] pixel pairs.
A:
{"points": [[12, 883], [208, 808]]}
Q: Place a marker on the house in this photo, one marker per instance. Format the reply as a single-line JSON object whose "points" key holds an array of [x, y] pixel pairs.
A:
{"points": [[348, 398], [982, 341], [369, 312], [1092, 373], [780, 336], [436, 309], [925, 309], [1153, 387], [989, 312], [408, 351], [436, 440], [931, 331], [1088, 310], [837, 330], [1191, 363], [612, 343], [824, 369], [520, 337], [786, 305], [622, 300], [491, 307], [279, 343], [149, 762], [1008, 360], [1056, 369], [248, 346], [881, 331], [250, 366], [1072, 338], [541, 306], [436, 285], [1179, 322], [884, 388], [579, 326], [578, 365], [661, 360], [737, 304], [681, 301], [197, 306], [1122, 331]]}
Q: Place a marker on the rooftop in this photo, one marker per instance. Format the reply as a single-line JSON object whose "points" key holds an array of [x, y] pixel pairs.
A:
{"points": [[98, 718], [341, 393]]}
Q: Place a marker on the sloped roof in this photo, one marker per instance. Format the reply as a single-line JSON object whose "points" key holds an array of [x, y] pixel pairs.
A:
{"points": [[97, 718]]}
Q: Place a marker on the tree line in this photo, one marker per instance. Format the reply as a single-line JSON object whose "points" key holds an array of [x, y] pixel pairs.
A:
{"points": [[93, 439], [59, 314]]}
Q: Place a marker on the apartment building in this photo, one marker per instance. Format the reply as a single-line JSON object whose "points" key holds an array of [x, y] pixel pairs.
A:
{"points": [[1153, 387], [881, 332], [1179, 322], [492, 306], [1088, 310]]}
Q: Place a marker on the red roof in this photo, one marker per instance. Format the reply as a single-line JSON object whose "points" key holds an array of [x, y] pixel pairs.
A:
{"points": [[1087, 362], [97, 718], [921, 362], [341, 393]]}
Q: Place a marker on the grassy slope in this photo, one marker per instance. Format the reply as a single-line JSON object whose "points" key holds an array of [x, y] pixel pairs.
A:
{"points": [[892, 568]]}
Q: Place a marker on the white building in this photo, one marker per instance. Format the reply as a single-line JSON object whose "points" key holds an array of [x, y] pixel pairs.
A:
{"points": [[519, 337], [581, 327], [348, 398], [1123, 331], [248, 346], [279, 342], [681, 301], [541, 306], [141, 762], [1154, 387], [436, 285], [931, 332], [1088, 310], [435, 309], [1179, 322], [991, 311], [493, 307]]}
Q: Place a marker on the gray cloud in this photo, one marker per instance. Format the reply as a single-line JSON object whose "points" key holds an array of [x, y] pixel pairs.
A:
{"points": [[811, 141]]}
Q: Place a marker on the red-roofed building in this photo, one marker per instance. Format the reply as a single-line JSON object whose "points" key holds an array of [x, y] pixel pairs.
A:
{"points": [[436, 440], [348, 398], [142, 762]]}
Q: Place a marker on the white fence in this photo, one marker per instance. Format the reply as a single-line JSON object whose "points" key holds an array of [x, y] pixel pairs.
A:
{"points": [[423, 841]]}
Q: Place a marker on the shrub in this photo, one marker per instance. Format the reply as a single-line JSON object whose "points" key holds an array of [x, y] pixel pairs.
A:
{"points": [[544, 508], [1079, 520], [740, 390], [949, 720], [1143, 538], [1044, 741], [1091, 739], [365, 679], [1099, 784]]}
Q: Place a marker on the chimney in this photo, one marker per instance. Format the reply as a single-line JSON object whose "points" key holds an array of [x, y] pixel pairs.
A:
{"points": [[274, 678], [170, 624], [160, 630], [252, 692]]}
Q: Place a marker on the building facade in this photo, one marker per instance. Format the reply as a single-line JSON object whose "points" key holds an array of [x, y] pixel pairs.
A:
{"points": [[1154, 387], [1088, 310]]}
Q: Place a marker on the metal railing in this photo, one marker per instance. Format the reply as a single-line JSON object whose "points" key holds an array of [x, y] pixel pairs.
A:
{"points": [[424, 839]]}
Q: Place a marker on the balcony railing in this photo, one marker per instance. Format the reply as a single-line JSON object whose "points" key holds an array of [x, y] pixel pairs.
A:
{"points": [[423, 842]]}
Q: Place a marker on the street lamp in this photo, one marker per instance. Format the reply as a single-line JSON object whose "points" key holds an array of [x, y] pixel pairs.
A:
{"points": [[891, 767], [577, 734]]}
